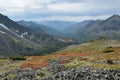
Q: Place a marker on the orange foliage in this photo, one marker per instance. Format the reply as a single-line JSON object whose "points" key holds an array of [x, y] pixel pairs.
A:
{"points": [[42, 61], [64, 61], [35, 64]]}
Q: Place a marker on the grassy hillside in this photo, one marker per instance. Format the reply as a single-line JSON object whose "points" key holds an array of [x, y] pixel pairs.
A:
{"points": [[95, 53], [92, 46], [100, 54]]}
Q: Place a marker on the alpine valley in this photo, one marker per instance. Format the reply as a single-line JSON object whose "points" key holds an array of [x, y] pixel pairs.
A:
{"points": [[60, 50], [16, 39]]}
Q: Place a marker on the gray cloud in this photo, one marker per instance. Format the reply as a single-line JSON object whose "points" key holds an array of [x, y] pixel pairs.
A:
{"points": [[59, 9]]}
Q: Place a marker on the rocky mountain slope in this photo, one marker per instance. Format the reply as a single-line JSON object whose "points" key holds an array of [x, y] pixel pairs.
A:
{"points": [[12, 44], [20, 40], [40, 28], [90, 30]]}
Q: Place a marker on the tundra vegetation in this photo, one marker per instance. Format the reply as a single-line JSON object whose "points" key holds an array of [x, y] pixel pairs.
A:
{"points": [[93, 60]]}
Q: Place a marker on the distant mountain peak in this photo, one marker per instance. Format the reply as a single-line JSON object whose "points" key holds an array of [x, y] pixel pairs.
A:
{"points": [[1, 15], [114, 17], [22, 21]]}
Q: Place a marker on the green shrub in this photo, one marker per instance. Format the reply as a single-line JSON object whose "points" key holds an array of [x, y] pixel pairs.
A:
{"points": [[17, 58], [109, 47], [109, 62], [108, 51]]}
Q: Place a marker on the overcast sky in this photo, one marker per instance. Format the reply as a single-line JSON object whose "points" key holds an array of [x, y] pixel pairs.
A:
{"points": [[66, 10]]}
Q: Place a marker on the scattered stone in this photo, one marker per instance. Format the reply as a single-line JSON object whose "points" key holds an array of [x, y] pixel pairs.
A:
{"points": [[60, 72]]}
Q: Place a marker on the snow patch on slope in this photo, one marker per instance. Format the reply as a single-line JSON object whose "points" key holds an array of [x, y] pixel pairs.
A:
{"points": [[2, 32], [4, 26], [22, 35], [61, 40]]}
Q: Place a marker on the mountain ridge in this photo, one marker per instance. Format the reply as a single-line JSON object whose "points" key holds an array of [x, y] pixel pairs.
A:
{"points": [[25, 41], [40, 28], [108, 28], [58, 25]]}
